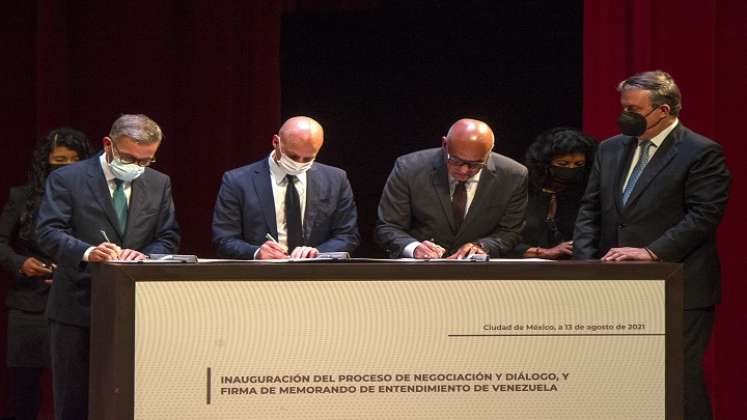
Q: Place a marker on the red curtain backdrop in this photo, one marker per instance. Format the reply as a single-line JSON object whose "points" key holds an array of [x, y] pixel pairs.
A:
{"points": [[703, 45]]}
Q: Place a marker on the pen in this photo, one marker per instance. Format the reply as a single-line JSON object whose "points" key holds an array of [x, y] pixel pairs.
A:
{"points": [[106, 239], [273, 240]]}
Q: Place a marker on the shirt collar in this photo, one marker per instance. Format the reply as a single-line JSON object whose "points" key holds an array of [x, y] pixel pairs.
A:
{"points": [[105, 167], [278, 173], [473, 179], [658, 139]]}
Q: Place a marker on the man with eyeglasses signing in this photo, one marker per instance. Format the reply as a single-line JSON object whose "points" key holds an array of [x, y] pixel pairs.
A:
{"points": [[453, 201], [109, 207]]}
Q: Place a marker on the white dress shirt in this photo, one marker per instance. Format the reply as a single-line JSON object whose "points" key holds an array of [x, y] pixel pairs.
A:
{"points": [[279, 187], [126, 186], [655, 144]]}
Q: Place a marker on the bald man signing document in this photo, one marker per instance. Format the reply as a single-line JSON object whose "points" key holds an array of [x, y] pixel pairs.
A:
{"points": [[455, 200], [288, 205]]}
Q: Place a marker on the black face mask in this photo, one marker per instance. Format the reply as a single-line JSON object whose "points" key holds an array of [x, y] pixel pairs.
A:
{"points": [[567, 176], [51, 167], [632, 123]]}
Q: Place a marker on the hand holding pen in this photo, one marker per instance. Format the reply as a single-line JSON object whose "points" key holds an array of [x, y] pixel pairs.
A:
{"points": [[271, 250], [105, 251], [428, 250]]}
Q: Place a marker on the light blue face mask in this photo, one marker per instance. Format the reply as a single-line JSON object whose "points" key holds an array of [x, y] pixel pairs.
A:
{"points": [[127, 172]]}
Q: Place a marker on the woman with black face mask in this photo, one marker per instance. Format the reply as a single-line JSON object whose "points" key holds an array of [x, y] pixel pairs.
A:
{"points": [[558, 163], [30, 270]]}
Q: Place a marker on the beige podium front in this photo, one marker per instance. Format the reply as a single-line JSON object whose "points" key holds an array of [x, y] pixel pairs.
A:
{"points": [[469, 340]]}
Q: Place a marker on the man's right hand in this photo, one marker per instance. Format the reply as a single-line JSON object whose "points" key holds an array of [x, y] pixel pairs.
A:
{"points": [[34, 268], [105, 251], [428, 249], [272, 251]]}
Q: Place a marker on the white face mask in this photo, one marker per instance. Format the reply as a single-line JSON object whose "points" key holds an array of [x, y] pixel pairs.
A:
{"points": [[127, 172], [291, 167]]}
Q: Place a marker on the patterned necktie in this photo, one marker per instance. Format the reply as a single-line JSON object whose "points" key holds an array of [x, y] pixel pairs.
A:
{"points": [[643, 159], [119, 200], [459, 203], [293, 214]]}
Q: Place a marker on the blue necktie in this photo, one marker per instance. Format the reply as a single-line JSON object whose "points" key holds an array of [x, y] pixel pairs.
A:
{"points": [[119, 200], [643, 159]]}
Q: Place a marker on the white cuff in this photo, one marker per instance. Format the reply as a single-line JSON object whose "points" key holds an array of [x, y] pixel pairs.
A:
{"points": [[409, 250], [87, 253]]}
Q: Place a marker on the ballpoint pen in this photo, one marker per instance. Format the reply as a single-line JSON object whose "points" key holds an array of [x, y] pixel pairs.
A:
{"points": [[106, 238], [273, 240], [270, 238]]}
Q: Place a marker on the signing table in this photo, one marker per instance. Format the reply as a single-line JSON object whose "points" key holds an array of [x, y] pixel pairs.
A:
{"points": [[373, 340]]}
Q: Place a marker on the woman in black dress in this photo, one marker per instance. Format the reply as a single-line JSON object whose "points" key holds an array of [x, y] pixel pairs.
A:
{"points": [[559, 162], [31, 270]]}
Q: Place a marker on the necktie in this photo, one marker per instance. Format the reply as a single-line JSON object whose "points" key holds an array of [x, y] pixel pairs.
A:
{"points": [[643, 159], [459, 203], [119, 200], [293, 214]]}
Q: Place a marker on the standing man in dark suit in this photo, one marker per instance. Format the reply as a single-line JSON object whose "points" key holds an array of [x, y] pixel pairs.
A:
{"points": [[456, 200], [657, 192], [114, 192], [287, 205]]}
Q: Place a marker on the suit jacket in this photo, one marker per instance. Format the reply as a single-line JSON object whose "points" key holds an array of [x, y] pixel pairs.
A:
{"points": [[416, 205], [77, 204], [245, 211], [674, 208], [25, 293]]}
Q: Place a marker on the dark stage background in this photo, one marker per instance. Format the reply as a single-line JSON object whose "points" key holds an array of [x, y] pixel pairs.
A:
{"points": [[389, 82], [383, 77]]}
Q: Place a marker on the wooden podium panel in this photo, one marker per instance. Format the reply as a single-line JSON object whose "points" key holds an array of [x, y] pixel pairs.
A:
{"points": [[387, 340]]}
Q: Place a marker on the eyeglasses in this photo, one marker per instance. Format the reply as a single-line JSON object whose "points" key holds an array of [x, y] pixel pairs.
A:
{"points": [[129, 159], [459, 162]]}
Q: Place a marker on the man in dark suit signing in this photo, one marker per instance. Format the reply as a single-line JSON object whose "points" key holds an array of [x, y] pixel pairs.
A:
{"points": [[287, 205], [455, 200], [657, 192], [109, 207]]}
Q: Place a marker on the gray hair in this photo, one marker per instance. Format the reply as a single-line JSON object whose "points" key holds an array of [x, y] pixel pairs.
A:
{"points": [[138, 127], [661, 86]]}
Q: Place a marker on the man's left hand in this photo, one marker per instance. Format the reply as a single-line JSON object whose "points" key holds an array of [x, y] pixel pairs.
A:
{"points": [[466, 250], [304, 252], [132, 255], [627, 254]]}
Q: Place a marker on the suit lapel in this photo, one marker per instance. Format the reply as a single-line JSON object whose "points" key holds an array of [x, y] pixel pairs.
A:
{"points": [[440, 179], [102, 195], [662, 157], [263, 186], [623, 164], [484, 195], [138, 193]]}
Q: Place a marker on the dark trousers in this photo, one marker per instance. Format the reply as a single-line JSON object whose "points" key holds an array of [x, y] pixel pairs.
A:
{"points": [[70, 359], [697, 326], [25, 393]]}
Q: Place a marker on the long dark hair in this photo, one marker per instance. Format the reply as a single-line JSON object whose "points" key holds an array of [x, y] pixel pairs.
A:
{"points": [[40, 168], [551, 143]]}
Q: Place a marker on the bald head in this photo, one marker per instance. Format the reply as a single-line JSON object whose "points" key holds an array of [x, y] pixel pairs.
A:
{"points": [[470, 136], [468, 144], [300, 138]]}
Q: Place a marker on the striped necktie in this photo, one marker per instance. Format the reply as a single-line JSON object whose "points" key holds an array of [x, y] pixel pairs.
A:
{"points": [[643, 159]]}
